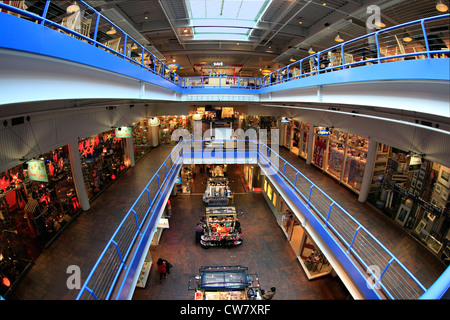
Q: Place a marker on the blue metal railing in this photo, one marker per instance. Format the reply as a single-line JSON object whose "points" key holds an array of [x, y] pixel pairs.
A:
{"points": [[392, 277], [431, 39], [104, 275]]}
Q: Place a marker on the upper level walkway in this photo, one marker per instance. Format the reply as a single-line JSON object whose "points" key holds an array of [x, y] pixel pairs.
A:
{"points": [[47, 277]]}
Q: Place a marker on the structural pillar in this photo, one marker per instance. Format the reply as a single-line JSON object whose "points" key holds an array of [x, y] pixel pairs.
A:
{"points": [[309, 153], [77, 174], [129, 151], [367, 177]]}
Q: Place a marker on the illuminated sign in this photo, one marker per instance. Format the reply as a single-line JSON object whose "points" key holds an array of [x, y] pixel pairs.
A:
{"points": [[218, 64], [124, 132], [265, 72], [285, 120], [323, 132], [37, 171]]}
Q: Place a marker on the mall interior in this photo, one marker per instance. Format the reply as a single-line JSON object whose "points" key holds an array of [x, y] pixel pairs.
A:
{"points": [[310, 155]]}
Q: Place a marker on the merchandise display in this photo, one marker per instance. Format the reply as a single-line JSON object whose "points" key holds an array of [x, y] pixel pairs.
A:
{"points": [[218, 192], [102, 160], [225, 283], [222, 228]]}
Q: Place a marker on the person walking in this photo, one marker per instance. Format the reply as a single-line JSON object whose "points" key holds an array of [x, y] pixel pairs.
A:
{"points": [[162, 268]]}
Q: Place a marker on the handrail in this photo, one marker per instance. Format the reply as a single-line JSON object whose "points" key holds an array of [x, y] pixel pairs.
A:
{"points": [[264, 81], [127, 232], [327, 222]]}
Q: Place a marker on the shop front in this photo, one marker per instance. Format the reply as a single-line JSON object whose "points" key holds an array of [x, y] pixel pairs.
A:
{"points": [[225, 283], [312, 260], [169, 124], [342, 155]]}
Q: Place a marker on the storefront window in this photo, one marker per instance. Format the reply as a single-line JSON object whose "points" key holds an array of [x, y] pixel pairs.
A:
{"points": [[141, 139], [102, 160]]}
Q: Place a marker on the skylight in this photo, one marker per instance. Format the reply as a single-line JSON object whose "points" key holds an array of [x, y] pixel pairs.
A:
{"points": [[225, 19]]}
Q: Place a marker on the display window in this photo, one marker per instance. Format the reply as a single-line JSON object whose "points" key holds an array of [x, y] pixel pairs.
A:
{"points": [[312, 259], [414, 193], [218, 192], [32, 212], [303, 143], [102, 161], [341, 155], [225, 283]]}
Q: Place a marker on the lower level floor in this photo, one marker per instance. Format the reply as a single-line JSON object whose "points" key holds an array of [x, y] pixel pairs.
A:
{"points": [[264, 250]]}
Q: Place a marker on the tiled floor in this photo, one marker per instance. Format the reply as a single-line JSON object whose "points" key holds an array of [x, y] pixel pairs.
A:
{"points": [[265, 249]]}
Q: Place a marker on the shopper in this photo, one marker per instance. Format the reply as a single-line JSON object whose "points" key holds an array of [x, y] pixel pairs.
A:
{"points": [[198, 232], [162, 268], [268, 295]]}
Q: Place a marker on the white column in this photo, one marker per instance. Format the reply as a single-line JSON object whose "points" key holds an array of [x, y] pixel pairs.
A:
{"points": [[154, 127], [77, 174], [309, 153], [129, 151], [367, 178]]}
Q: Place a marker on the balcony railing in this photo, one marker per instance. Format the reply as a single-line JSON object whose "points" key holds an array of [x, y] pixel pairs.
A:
{"points": [[429, 38]]}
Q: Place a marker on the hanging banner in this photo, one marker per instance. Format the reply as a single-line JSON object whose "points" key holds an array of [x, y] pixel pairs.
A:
{"points": [[124, 132], [37, 171]]}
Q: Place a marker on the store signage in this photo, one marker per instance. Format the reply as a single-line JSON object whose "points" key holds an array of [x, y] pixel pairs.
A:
{"points": [[285, 120], [174, 66], [124, 132], [323, 132], [37, 171], [265, 72], [218, 64]]}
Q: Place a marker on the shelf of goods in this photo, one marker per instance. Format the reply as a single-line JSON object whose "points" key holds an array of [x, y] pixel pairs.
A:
{"points": [[225, 283], [221, 229], [217, 192]]}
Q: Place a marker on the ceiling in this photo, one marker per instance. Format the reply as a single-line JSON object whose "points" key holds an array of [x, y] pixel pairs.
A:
{"points": [[286, 29]]}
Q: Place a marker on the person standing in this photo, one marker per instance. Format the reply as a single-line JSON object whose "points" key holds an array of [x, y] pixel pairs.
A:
{"points": [[268, 295]]}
